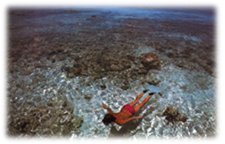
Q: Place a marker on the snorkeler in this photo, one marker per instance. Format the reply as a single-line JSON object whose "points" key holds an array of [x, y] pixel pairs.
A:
{"points": [[128, 111]]}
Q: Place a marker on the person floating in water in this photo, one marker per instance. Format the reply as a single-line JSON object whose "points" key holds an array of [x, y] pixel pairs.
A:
{"points": [[128, 111]]}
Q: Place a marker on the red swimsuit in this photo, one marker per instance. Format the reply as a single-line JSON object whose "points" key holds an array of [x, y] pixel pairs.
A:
{"points": [[129, 108]]}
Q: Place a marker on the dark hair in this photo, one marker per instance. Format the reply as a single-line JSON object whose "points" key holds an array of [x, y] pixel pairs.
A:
{"points": [[108, 119]]}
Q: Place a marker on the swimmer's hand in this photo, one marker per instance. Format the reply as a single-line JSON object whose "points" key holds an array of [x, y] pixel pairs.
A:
{"points": [[107, 108], [104, 106]]}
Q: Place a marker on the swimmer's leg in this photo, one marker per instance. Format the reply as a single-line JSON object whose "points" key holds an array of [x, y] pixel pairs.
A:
{"points": [[137, 99], [139, 106]]}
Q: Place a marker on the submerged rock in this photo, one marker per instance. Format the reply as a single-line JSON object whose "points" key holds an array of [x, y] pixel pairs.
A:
{"points": [[88, 97], [150, 61], [125, 86], [103, 87], [72, 71], [173, 115], [153, 81], [116, 67]]}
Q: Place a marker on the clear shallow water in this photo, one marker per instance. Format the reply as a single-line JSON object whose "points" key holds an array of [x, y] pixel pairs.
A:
{"points": [[191, 91]]}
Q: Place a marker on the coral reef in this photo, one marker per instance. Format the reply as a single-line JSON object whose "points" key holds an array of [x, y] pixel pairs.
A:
{"points": [[52, 118], [63, 64], [173, 115]]}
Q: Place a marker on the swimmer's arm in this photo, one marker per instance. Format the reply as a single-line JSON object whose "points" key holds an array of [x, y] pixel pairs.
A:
{"points": [[130, 119], [107, 108]]}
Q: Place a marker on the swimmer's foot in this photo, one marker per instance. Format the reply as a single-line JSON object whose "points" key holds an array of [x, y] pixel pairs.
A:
{"points": [[151, 94], [144, 91]]}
